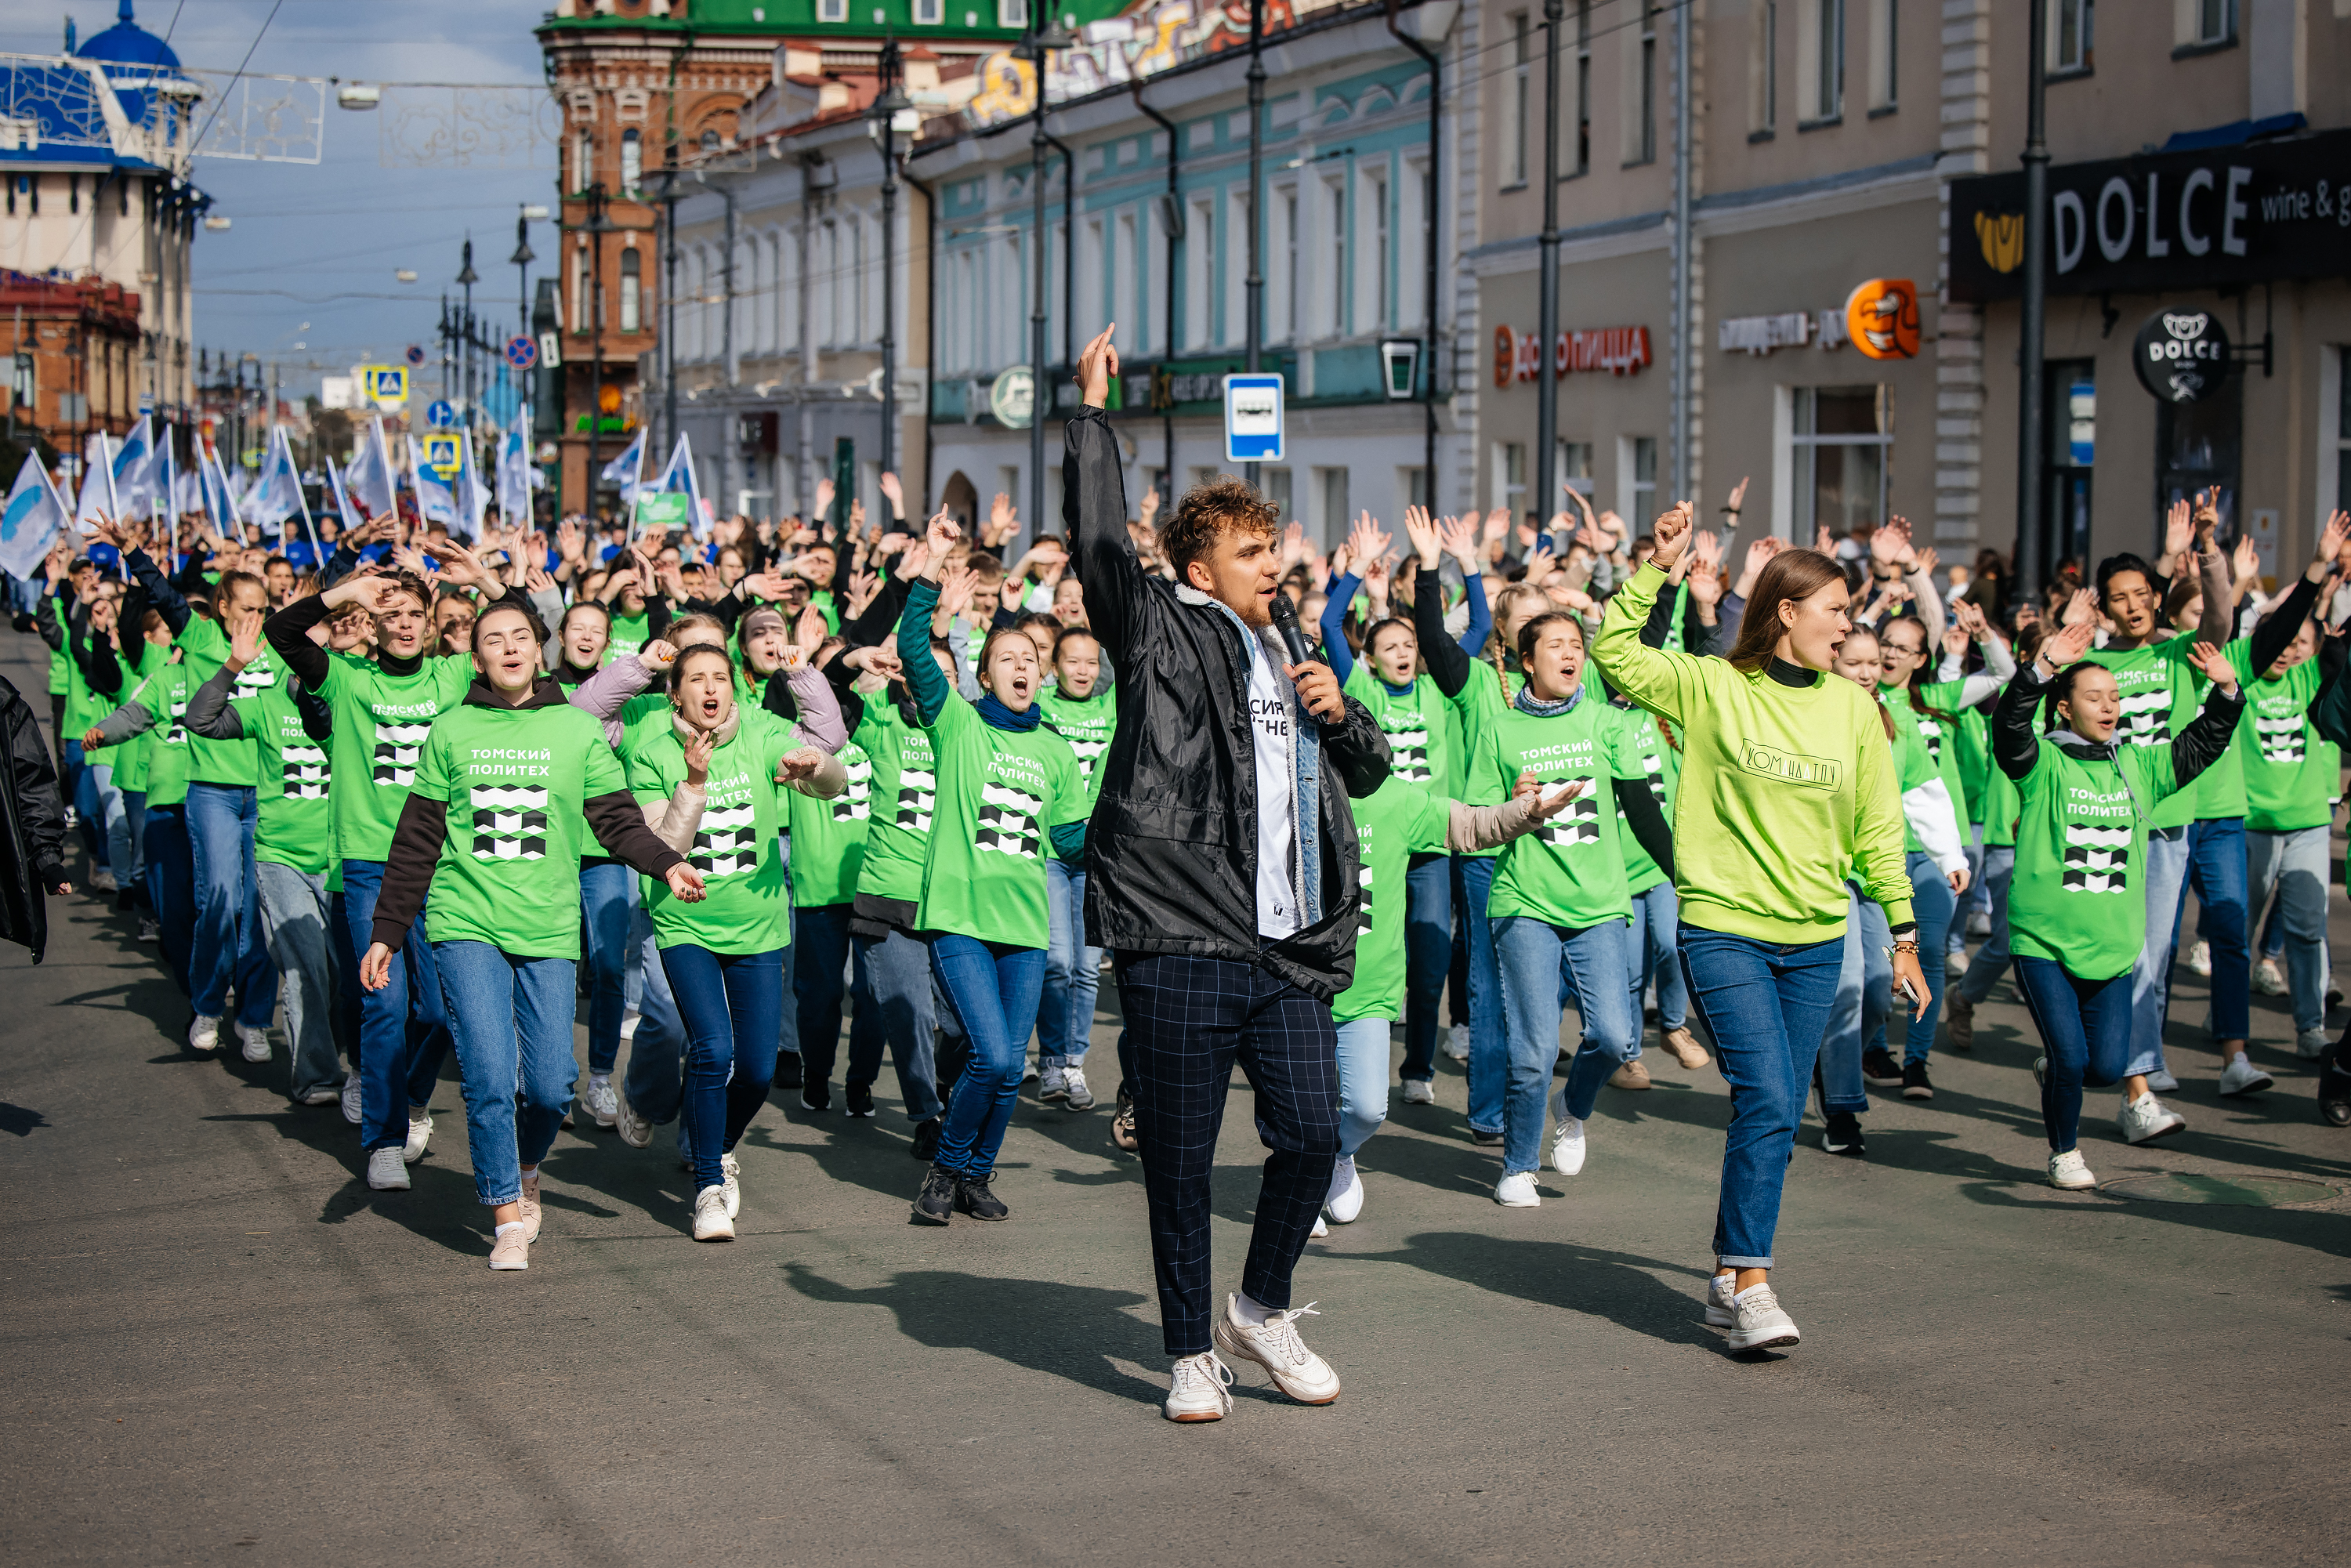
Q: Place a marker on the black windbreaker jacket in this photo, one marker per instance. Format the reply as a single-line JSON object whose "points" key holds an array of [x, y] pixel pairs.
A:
{"points": [[1172, 846]]}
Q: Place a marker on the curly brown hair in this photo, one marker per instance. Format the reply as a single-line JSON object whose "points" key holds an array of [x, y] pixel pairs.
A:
{"points": [[1208, 512]]}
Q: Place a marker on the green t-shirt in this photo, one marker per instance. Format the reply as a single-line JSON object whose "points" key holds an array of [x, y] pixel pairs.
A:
{"points": [[1570, 870], [2290, 772], [227, 762], [515, 781], [382, 721], [1000, 794], [1938, 743], [60, 664], [829, 836], [1476, 707], [293, 820], [129, 761], [1661, 764], [1420, 744], [2079, 894], [84, 705], [1392, 823], [2001, 806], [1087, 726], [630, 635], [906, 799], [1971, 735], [166, 742], [744, 908], [2161, 692]]}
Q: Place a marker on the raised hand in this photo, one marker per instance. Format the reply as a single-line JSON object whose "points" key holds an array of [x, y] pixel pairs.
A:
{"points": [[1148, 508], [1461, 541], [1428, 543], [1891, 544], [766, 586], [1738, 496], [2209, 658], [2082, 609], [1926, 560], [1706, 586], [863, 588], [1096, 364], [893, 493], [957, 589], [824, 489], [1365, 541], [658, 655], [113, 532], [1672, 531], [1969, 622], [1496, 527], [244, 639], [2246, 564], [1293, 545], [809, 634], [2073, 640], [1707, 547], [2179, 529], [2330, 542]]}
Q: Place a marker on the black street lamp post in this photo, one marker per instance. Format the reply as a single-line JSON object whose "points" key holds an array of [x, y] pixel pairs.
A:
{"points": [[890, 117]]}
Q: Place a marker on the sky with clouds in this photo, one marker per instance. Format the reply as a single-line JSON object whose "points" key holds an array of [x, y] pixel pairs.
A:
{"points": [[319, 244]]}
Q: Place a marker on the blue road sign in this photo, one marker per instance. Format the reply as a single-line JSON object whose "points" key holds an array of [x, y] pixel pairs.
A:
{"points": [[1253, 418], [439, 415], [521, 352], [415, 354]]}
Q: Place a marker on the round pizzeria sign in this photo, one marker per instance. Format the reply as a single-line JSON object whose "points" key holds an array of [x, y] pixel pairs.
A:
{"points": [[2181, 356]]}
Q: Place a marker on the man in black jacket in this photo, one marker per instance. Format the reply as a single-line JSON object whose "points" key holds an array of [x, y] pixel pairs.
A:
{"points": [[1222, 869], [32, 827]]}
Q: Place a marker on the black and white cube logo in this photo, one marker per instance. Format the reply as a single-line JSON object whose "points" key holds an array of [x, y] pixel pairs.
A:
{"points": [[397, 747], [918, 799], [1008, 821], [510, 821], [2098, 857]]}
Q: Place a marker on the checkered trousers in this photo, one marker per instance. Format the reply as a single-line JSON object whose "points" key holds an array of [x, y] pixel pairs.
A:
{"points": [[1189, 1021]]}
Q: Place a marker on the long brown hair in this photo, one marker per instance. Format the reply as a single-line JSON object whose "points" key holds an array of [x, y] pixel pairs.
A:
{"points": [[1792, 575]]}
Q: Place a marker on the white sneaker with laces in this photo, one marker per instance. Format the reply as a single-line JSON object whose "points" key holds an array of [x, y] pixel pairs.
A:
{"points": [[2242, 1077], [1073, 1084], [255, 1042], [2310, 1044], [2269, 977], [731, 1169], [531, 1210], [602, 1105], [1274, 1344], [354, 1088], [387, 1172], [420, 1133], [2199, 958], [1517, 1190], [1419, 1091], [204, 1034], [1320, 1230], [1456, 1042], [2070, 1172], [1199, 1389], [1051, 1085], [2147, 1118], [1566, 1138], [711, 1220], [634, 1130], [1757, 1321], [1346, 1200], [1719, 1312], [1979, 923]]}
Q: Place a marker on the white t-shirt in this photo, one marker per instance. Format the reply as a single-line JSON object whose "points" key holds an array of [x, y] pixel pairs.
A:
{"points": [[1277, 796]]}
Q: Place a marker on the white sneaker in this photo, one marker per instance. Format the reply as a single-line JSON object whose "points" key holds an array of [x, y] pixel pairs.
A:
{"points": [[2069, 1171], [1567, 1137], [2147, 1118], [2199, 958], [1979, 923], [2161, 1081], [102, 881], [322, 1097], [1517, 1190], [1757, 1321], [387, 1172], [1199, 1389], [711, 1220], [1320, 1230], [634, 1130], [509, 1249], [2242, 1077], [1346, 1200], [531, 1210], [255, 1042], [602, 1105], [1457, 1043], [204, 1034], [1955, 962], [1719, 1312], [2310, 1044], [1073, 1081], [420, 1133], [1419, 1091], [1274, 1344], [353, 1088], [2269, 977], [731, 1172], [1051, 1083]]}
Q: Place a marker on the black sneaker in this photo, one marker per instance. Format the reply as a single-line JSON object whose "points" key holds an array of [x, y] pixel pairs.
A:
{"points": [[2335, 1091], [1485, 1140], [926, 1140], [788, 1070], [815, 1097], [860, 1099], [1878, 1066], [973, 1198], [1122, 1126], [1843, 1135], [936, 1203], [1914, 1082]]}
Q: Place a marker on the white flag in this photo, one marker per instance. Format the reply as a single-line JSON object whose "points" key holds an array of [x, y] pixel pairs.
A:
{"points": [[679, 479], [513, 472], [134, 470], [436, 498], [277, 494], [96, 480], [628, 470], [370, 477], [472, 495], [36, 515]]}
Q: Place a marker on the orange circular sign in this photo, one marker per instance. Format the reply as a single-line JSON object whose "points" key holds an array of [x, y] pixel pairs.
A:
{"points": [[1506, 355], [1881, 316], [608, 399]]}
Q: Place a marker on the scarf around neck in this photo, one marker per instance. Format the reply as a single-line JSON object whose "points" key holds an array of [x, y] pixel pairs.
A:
{"points": [[999, 717]]}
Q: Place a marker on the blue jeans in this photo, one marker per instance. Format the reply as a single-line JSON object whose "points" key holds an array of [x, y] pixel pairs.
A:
{"points": [[106, 814], [1657, 916], [2216, 870], [819, 957], [605, 894], [891, 979], [2086, 1026], [229, 946], [1991, 960], [654, 1085], [993, 990], [2295, 865], [404, 1027], [1362, 1080], [1065, 1015], [1428, 960], [730, 1002], [1489, 1062], [1931, 903], [172, 886], [302, 936], [1766, 1004], [512, 1020], [134, 807], [2166, 873], [1865, 996], [1975, 899], [1535, 958], [79, 790]]}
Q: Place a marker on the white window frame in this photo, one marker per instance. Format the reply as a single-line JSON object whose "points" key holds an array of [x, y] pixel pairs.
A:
{"points": [[2073, 35], [1008, 13], [1820, 62], [1637, 497], [1335, 196], [1200, 231], [1763, 66], [1801, 446], [1884, 55], [833, 11], [1521, 98]]}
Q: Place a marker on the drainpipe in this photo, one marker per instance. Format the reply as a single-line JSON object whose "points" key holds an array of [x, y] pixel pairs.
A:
{"points": [[806, 486], [1434, 247], [729, 441], [1679, 465], [930, 324], [1167, 272]]}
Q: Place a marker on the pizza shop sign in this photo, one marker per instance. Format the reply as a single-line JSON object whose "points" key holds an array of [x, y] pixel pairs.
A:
{"points": [[1619, 351]]}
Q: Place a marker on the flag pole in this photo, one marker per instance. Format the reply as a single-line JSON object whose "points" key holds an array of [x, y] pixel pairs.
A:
{"points": [[317, 556]]}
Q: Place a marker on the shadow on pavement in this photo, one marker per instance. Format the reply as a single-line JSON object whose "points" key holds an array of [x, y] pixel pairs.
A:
{"points": [[1617, 1286]]}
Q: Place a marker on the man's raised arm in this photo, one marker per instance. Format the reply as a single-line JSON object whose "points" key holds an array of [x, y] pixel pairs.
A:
{"points": [[1093, 507]]}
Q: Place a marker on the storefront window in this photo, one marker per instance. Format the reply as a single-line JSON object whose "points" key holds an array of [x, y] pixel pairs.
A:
{"points": [[2070, 417], [1511, 476], [1842, 439], [2201, 446], [1575, 466]]}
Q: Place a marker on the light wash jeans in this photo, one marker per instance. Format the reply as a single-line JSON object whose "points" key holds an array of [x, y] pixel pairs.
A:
{"points": [[1363, 1081], [512, 1020], [1534, 958], [1865, 996], [2295, 864], [1976, 897], [2166, 873], [1489, 1055], [1991, 960], [114, 810], [1657, 919], [300, 926], [228, 946], [655, 1084], [1065, 1015]]}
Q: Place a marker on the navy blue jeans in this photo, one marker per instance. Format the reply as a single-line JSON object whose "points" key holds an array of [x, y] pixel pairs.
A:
{"points": [[993, 990], [604, 894], [730, 1002], [1427, 961], [820, 957], [2086, 1028], [172, 885], [404, 1027], [2217, 870]]}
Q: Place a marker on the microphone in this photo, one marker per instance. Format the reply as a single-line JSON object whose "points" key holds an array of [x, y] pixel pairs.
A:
{"points": [[1285, 620]]}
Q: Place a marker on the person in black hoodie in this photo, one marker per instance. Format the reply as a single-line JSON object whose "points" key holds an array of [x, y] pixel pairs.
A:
{"points": [[1223, 870], [32, 827]]}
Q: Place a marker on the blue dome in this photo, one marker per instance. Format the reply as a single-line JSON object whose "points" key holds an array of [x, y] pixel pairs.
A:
{"points": [[127, 43]]}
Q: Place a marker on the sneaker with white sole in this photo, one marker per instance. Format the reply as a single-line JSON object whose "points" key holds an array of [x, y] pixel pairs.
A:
{"points": [[102, 881], [2161, 1081], [1051, 1083], [2147, 1118], [2269, 977], [2199, 958], [2242, 1077], [634, 1130], [2069, 1172], [1346, 1199], [1073, 1085], [1720, 1313], [711, 1220], [2310, 1044], [204, 1033], [255, 1042], [532, 1210], [1517, 1190], [1979, 923], [1319, 1232], [1274, 1346], [509, 1249], [420, 1133], [1419, 1091], [1758, 1320], [387, 1172], [731, 1170], [150, 929], [354, 1092], [1955, 963], [322, 1097], [1567, 1142], [602, 1103], [1456, 1042], [1199, 1389]]}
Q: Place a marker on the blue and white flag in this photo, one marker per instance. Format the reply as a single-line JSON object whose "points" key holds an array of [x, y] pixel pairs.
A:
{"points": [[134, 470], [515, 474], [97, 499], [472, 495], [217, 499], [167, 483], [277, 494], [436, 498], [678, 478], [372, 479], [347, 516], [36, 515], [628, 470]]}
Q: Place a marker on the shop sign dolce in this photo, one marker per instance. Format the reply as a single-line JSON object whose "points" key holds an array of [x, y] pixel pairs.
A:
{"points": [[2181, 356]]}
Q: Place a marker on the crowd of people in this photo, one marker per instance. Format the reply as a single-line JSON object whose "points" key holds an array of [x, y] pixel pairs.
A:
{"points": [[717, 797]]}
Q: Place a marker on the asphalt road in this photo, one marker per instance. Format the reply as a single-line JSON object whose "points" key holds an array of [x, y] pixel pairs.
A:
{"points": [[222, 1347]]}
